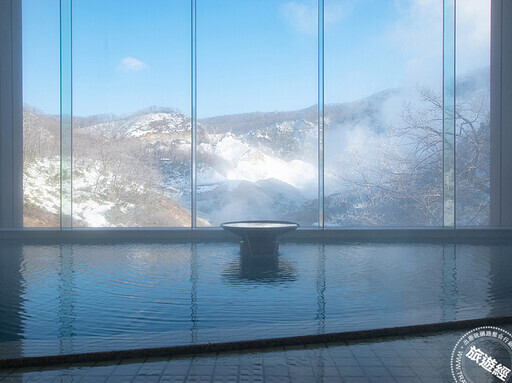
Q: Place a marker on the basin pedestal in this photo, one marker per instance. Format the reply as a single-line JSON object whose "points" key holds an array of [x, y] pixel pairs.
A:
{"points": [[259, 238]]}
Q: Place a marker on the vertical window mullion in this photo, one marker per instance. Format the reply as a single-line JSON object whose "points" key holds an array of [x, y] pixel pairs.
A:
{"points": [[321, 217], [193, 127], [66, 114], [449, 116]]}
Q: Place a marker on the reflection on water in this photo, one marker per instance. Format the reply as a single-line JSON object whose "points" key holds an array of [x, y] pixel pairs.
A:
{"points": [[66, 291], [71, 291], [12, 295], [321, 286], [193, 293], [259, 269], [449, 283]]}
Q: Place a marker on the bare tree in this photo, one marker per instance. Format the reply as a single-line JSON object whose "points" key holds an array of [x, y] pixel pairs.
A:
{"points": [[399, 180]]}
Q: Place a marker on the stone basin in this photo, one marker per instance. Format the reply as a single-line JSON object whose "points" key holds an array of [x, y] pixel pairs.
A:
{"points": [[259, 237]]}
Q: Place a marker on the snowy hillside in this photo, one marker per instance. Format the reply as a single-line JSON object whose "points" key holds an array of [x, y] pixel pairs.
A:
{"points": [[135, 170]]}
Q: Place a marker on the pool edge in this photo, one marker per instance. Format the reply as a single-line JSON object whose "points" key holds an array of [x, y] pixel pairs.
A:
{"points": [[216, 234], [204, 348]]}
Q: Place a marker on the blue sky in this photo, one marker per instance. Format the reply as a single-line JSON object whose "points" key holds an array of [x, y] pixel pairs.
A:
{"points": [[252, 55]]}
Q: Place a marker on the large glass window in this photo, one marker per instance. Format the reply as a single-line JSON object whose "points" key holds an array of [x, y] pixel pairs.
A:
{"points": [[383, 113], [257, 114], [473, 112], [131, 106], [41, 94], [249, 76]]}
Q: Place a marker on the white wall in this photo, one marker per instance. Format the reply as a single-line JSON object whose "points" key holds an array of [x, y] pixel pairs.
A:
{"points": [[11, 115], [501, 113]]}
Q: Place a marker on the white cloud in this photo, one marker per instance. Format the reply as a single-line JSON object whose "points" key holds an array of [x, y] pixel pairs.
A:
{"points": [[337, 10], [302, 15], [131, 64]]}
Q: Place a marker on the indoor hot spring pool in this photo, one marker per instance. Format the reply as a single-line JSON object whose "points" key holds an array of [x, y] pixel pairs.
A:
{"points": [[79, 298]]}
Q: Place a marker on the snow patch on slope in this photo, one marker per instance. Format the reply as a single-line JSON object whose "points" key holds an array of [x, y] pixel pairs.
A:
{"points": [[41, 184]]}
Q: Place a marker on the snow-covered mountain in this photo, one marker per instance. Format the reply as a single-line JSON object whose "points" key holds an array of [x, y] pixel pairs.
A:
{"points": [[144, 124], [251, 166], [136, 170]]}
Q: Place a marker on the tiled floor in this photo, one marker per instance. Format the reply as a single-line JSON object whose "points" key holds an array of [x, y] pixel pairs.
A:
{"points": [[412, 359]]}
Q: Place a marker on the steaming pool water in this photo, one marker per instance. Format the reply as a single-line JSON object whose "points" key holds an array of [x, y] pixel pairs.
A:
{"points": [[70, 298]]}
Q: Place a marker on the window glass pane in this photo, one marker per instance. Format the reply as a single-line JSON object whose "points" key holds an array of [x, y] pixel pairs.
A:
{"points": [[257, 118], [41, 97], [383, 127], [131, 106], [473, 109]]}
